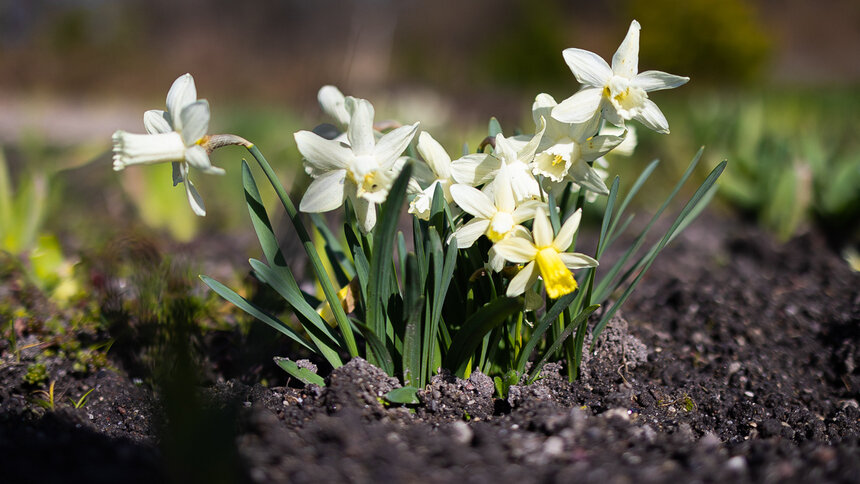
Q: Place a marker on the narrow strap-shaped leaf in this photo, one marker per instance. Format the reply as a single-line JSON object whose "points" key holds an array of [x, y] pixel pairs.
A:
{"points": [[382, 357], [316, 328], [255, 311], [606, 285], [302, 374], [407, 395], [546, 321], [310, 250], [643, 177], [472, 332], [413, 308], [383, 253], [340, 264], [691, 208], [576, 323], [494, 127]]}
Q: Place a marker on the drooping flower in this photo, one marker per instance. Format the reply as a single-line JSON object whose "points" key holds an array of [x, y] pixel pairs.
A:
{"points": [[177, 135], [545, 256], [360, 169], [620, 92]]}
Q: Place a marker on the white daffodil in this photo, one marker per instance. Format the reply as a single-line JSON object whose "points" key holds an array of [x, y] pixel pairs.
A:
{"points": [[620, 91], [440, 163], [177, 135], [475, 170], [545, 256], [361, 169], [567, 150], [494, 216]]}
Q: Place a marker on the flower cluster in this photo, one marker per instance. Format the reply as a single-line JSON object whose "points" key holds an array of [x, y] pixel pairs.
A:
{"points": [[499, 194]]}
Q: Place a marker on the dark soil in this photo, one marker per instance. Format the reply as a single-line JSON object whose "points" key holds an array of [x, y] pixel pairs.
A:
{"points": [[737, 360]]}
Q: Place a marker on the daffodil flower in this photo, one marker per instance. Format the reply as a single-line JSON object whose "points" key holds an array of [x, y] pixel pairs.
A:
{"points": [[517, 157], [495, 215], [440, 163], [361, 169], [620, 91], [177, 135], [567, 150], [545, 256]]}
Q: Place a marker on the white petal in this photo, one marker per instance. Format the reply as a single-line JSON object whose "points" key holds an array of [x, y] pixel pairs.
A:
{"points": [[365, 212], [542, 229], [393, 144], [542, 107], [194, 198], [625, 62], [197, 157], [503, 191], [588, 177], [653, 118], [579, 108], [474, 169], [195, 121], [470, 232], [324, 193], [523, 280], [333, 104], [589, 68], [156, 121], [567, 231], [323, 154], [523, 182], [473, 201], [527, 153], [495, 261], [434, 155], [526, 211], [516, 250], [504, 150], [146, 149], [360, 129], [657, 80], [181, 94], [598, 146], [575, 261]]}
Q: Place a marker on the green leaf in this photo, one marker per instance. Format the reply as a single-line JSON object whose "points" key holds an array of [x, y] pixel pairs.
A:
{"points": [[382, 357], [302, 374], [548, 318], [316, 328], [693, 207], [494, 127], [407, 395], [414, 308], [576, 323], [308, 245], [383, 253], [342, 267], [472, 332], [254, 310]]}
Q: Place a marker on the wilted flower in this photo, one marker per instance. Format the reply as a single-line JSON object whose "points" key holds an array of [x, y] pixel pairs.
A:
{"points": [[621, 92], [362, 169], [546, 257], [177, 135]]}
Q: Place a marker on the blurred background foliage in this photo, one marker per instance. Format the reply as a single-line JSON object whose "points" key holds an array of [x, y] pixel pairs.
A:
{"points": [[773, 90]]}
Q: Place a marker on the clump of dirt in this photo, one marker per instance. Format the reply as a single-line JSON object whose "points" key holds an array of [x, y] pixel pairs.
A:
{"points": [[447, 397]]}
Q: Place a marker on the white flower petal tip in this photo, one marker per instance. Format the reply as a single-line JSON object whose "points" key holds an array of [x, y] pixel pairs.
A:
{"points": [[146, 149], [333, 103]]}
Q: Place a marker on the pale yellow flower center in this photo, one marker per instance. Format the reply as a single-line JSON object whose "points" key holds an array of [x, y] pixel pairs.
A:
{"points": [[557, 278], [500, 225], [557, 159]]}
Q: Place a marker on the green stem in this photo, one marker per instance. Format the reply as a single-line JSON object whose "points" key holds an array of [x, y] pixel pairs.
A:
{"points": [[319, 270]]}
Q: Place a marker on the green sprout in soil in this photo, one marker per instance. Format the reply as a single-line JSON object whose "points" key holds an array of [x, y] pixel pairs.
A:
{"points": [[48, 402], [487, 277], [37, 374]]}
